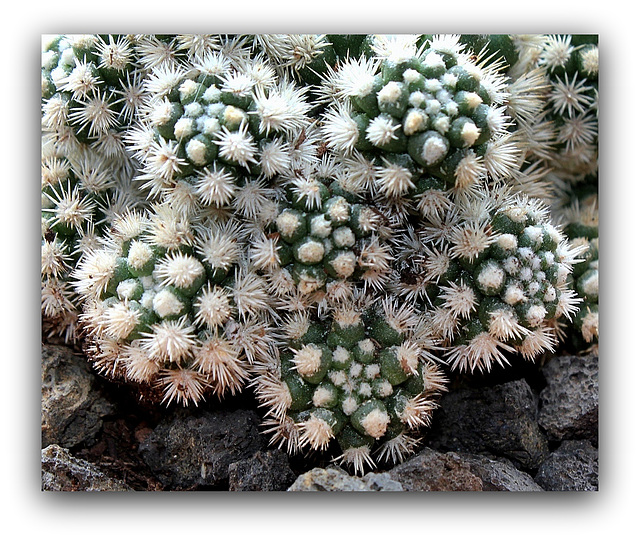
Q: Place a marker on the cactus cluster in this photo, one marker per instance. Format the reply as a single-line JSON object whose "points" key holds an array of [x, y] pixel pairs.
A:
{"points": [[335, 222]]}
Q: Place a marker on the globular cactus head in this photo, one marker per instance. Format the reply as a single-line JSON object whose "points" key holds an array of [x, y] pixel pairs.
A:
{"points": [[421, 110], [171, 307], [495, 276], [363, 376]]}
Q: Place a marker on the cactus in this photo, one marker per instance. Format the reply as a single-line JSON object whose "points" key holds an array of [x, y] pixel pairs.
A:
{"points": [[421, 111], [495, 272], [331, 221], [323, 239], [170, 305], [582, 230], [571, 63], [364, 376]]}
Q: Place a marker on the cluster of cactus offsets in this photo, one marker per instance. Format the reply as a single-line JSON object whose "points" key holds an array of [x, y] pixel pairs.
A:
{"points": [[363, 376], [172, 305], [335, 222]]}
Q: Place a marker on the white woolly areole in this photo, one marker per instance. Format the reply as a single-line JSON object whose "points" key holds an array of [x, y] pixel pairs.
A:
{"points": [[126, 289], [364, 389], [469, 133], [232, 115], [390, 93], [590, 284], [139, 254], [147, 299], [349, 405], [410, 76], [375, 423], [184, 128], [344, 237], [526, 273], [311, 252], [322, 397], [413, 122], [340, 355], [287, 223], [193, 110], [516, 213], [491, 276], [472, 99], [533, 288], [371, 371], [417, 99], [320, 227], [442, 124], [338, 378], [535, 234], [550, 294], [344, 264], [434, 148], [188, 88], [210, 126], [366, 346], [166, 304], [512, 265], [308, 360], [385, 389], [197, 152], [535, 315], [355, 369], [507, 242], [513, 295], [451, 108]]}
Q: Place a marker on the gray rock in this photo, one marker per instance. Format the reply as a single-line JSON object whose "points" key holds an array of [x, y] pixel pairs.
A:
{"points": [[72, 408], [63, 472], [382, 482], [572, 467], [499, 421], [336, 479], [189, 450], [499, 474], [434, 471], [569, 402], [264, 471]]}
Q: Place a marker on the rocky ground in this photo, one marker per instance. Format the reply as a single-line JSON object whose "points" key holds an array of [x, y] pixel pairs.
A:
{"points": [[530, 427]]}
